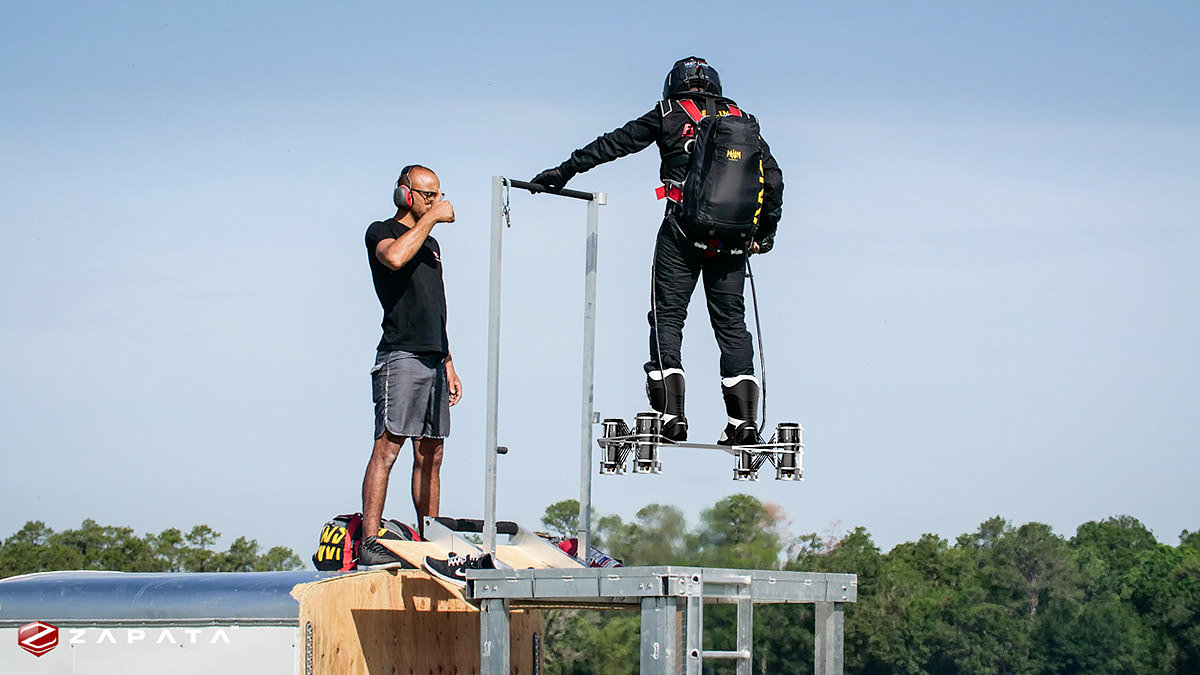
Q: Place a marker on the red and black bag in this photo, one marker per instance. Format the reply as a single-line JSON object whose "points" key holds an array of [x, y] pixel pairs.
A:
{"points": [[340, 539], [342, 535]]}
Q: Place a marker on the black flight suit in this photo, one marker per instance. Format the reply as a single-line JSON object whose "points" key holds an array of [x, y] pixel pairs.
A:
{"points": [[678, 262]]}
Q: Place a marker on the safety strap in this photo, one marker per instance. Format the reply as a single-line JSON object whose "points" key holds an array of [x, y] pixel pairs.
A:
{"points": [[689, 106], [715, 246], [348, 547]]}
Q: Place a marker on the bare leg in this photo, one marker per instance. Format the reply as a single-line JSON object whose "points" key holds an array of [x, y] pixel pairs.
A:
{"points": [[426, 477], [375, 482]]}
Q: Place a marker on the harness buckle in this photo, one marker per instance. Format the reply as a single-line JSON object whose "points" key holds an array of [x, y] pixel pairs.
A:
{"points": [[670, 191]]}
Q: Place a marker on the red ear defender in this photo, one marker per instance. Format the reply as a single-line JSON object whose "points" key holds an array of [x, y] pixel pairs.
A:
{"points": [[403, 195]]}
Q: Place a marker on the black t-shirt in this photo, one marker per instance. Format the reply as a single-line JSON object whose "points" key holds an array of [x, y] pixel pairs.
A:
{"points": [[413, 297]]}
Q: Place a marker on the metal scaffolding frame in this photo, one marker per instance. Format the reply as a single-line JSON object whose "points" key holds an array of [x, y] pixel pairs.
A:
{"points": [[671, 600], [594, 200]]}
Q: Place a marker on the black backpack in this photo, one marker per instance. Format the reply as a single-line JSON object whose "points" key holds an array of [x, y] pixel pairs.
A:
{"points": [[723, 192], [338, 547]]}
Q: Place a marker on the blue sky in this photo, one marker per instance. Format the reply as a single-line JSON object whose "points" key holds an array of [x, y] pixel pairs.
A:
{"points": [[982, 301]]}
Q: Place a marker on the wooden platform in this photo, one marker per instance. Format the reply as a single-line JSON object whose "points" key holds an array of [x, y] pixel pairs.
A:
{"points": [[401, 621]]}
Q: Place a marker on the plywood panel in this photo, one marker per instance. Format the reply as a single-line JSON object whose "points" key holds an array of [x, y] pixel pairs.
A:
{"points": [[400, 621], [414, 551], [519, 558], [543, 550]]}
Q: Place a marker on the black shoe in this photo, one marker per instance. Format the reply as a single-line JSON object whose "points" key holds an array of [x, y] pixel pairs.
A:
{"points": [[373, 555], [454, 569], [666, 391], [675, 429], [743, 434], [741, 405]]}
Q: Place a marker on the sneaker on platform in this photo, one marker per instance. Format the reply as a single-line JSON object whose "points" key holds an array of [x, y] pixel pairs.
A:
{"points": [[454, 569]]}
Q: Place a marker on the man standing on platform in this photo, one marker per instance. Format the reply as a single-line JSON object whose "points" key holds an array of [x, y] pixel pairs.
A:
{"points": [[413, 380]]}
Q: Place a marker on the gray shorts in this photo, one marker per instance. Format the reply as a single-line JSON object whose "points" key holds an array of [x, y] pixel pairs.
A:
{"points": [[412, 397]]}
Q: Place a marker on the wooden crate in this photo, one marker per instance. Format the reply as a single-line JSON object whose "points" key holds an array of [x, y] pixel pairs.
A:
{"points": [[401, 621]]}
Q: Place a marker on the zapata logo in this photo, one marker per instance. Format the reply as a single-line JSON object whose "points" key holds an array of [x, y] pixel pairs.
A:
{"points": [[37, 638]]}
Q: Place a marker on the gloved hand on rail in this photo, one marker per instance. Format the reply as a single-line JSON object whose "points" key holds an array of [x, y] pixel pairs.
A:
{"points": [[554, 179]]}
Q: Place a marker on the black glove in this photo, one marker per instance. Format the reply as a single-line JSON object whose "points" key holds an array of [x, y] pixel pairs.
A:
{"points": [[554, 179], [766, 243]]}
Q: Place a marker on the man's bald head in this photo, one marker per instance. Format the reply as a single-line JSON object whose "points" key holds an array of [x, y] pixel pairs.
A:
{"points": [[424, 190], [406, 176]]}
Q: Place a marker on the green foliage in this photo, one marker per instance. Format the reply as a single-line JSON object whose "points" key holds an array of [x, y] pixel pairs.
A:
{"points": [[592, 643], [659, 536], [1188, 538], [562, 518], [738, 531], [1001, 599], [37, 548]]}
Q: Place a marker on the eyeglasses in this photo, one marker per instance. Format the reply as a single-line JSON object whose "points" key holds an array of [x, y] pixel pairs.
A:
{"points": [[429, 195]]}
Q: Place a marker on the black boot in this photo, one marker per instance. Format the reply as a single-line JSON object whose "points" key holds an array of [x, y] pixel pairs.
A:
{"points": [[741, 404], [665, 389]]}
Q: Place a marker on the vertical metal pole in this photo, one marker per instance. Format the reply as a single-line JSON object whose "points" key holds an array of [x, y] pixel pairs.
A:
{"points": [[745, 633], [693, 635], [829, 633], [589, 375], [660, 649], [493, 370], [494, 643]]}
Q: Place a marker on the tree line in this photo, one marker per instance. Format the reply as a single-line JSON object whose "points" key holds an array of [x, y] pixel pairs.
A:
{"points": [[1000, 599], [91, 546]]}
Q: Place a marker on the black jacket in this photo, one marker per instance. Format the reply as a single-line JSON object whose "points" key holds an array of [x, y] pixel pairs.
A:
{"points": [[667, 124]]}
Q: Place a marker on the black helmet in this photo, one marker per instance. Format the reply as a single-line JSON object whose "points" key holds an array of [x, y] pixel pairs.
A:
{"points": [[691, 72]]}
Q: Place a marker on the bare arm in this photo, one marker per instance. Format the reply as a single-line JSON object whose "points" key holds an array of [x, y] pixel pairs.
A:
{"points": [[396, 253]]}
